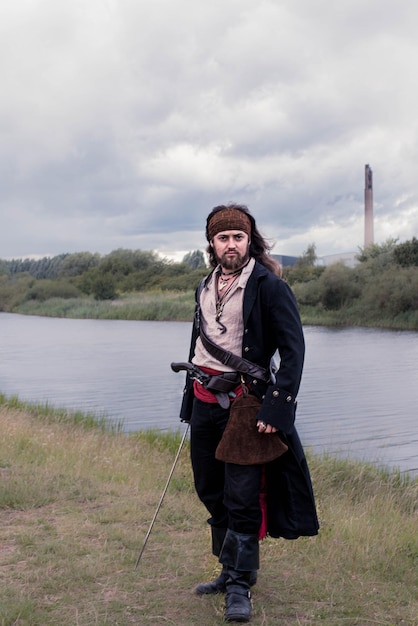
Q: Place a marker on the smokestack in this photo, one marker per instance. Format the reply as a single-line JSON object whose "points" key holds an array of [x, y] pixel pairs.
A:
{"points": [[368, 207]]}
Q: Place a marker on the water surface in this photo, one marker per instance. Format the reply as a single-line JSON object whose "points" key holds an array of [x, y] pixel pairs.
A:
{"points": [[358, 398]]}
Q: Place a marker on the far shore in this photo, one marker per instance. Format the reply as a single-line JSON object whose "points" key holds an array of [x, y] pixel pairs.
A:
{"points": [[179, 306]]}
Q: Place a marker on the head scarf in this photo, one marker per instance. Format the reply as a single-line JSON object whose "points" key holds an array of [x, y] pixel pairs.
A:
{"points": [[228, 218]]}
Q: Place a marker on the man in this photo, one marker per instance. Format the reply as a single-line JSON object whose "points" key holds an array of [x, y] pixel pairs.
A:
{"points": [[244, 307]]}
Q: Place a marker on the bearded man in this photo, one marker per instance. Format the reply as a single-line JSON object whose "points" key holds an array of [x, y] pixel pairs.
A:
{"points": [[248, 313]]}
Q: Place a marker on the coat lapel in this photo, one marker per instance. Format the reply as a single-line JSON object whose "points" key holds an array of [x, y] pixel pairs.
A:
{"points": [[251, 291]]}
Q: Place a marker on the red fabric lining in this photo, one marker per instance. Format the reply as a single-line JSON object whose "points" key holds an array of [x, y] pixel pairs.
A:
{"points": [[262, 533], [207, 396]]}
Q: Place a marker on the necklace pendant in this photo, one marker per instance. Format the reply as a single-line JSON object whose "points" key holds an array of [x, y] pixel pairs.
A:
{"points": [[222, 283]]}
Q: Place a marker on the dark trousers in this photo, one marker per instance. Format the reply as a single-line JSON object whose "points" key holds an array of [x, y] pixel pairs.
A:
{"points": [[231, 493]]}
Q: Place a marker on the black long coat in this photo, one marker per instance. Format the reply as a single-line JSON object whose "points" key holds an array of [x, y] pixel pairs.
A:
{"points": [[271, 324]]}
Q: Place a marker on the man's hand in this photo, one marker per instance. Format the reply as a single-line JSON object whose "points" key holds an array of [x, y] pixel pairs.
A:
{"points": [[265, 428]]}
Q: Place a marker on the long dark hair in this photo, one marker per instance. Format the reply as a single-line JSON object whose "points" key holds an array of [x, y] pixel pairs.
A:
{"points": [[259, 247]]}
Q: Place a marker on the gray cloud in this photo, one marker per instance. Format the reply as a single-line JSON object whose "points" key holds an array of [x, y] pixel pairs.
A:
{"points": [[123, 122]]}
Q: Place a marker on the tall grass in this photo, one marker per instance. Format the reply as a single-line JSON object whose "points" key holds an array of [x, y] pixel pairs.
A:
{"points": [[76, 504], [55, 414], [179, 306], [353, 316], [151, 306]]}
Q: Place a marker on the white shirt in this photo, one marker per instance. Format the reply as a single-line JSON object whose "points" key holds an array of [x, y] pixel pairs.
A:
{"points": [[231, 318]]}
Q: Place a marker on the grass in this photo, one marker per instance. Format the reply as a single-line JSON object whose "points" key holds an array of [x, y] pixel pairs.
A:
{"points": [[354, 316], [76, 503], [179, 306], [150, 306]]}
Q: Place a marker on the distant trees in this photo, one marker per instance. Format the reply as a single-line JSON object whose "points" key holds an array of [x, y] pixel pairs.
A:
{"points": [[391, 293], [78, 263], [195, 260], [42, 290], [382, 254], [47, 267], [308, 258], [406, 254], [384, 285], [335, 287], [103, 287], [305, 269], [338, 286], [126, 271]]}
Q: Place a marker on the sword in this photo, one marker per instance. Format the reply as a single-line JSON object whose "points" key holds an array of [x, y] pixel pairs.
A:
{"points": [[162, 496]]}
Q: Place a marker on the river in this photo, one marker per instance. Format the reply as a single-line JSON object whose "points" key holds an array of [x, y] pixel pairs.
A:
{"points": [[358, 397]]}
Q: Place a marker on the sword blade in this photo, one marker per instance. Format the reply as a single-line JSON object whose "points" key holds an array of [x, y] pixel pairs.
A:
{"points": [[162, 496]]}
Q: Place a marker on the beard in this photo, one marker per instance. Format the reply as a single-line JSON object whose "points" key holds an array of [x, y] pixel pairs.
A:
{"points": [[232, 264]]}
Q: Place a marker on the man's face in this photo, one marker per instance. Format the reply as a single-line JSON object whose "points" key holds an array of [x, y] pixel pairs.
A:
{"points": [[231, 248]]}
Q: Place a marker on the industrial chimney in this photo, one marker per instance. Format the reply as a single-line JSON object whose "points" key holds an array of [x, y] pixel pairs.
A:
{"points": [[368, 207]]}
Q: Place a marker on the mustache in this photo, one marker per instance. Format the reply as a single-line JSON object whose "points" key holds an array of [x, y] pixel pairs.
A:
{"points": [[232, 264]]}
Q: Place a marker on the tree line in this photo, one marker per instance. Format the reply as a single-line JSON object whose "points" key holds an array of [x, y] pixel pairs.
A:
{"points": [[382, 287], [103, 277]]}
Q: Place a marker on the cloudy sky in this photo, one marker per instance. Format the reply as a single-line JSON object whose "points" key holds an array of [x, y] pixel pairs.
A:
{"points": [[123, 122]]}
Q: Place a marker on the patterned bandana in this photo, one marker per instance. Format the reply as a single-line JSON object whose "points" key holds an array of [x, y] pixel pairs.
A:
{"points": [[228, 219]]}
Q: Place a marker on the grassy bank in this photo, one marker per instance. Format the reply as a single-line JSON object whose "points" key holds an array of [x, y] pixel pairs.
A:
{"points": [[179, 306], [151, 306], [352, 316], [76, 502]]}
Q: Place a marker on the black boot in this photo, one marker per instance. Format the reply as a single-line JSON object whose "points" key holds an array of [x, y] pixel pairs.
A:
{"points": [[217, 585], [240, 555], [238, 597]]}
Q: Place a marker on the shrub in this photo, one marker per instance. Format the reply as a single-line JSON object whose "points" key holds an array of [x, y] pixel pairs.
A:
{"points": [[392, 292], [337, 286], [308, 293], [104, 287], [406, 254], [45, 289]]}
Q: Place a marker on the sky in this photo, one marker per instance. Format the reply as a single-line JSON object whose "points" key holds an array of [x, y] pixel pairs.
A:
{"points": [[123, 122]]}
